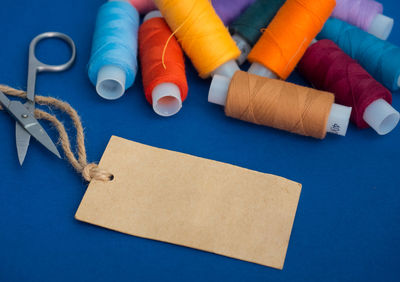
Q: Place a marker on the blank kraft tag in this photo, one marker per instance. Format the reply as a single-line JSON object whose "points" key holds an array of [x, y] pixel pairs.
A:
{"points": [[194, 202]]}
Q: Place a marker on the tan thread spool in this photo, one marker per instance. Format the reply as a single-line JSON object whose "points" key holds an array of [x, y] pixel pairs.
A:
{"points": [[279, 104]]}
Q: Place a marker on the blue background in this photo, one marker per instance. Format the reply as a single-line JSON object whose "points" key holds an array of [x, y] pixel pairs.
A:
{"points": [[347, 223]]}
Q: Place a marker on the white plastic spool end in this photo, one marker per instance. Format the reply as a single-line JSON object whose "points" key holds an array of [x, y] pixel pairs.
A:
{"points": [[111, 82], [381, 26], [152, 14], [219, 90], [339, 119], [167, 99], [260, 70], [381, 116], [243, 46], [228, 69], [313, 41]]}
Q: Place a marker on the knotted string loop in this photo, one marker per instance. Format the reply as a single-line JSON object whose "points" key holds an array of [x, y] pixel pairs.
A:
{"points": [[89, 171]]}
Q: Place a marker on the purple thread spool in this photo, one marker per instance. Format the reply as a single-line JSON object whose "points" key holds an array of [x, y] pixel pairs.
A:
{"points": [[228, 10], [366, 14]]}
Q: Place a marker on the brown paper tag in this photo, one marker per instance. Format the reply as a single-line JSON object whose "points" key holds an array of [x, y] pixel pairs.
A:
{"points": [[194, 202]]}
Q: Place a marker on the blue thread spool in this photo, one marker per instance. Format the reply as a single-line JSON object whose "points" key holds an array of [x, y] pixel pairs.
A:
{"points": [[380, 58], [113, 64]]}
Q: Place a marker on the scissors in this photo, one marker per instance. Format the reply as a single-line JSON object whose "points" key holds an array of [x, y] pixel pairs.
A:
{"points": [[26, 124]]}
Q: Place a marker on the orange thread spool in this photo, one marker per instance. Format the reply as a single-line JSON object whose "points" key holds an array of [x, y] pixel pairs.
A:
{"points": [[279, 104], [153, 35], [288, 36]]}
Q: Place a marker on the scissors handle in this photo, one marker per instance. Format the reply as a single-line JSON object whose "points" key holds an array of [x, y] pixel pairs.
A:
{"points": [[35, 65]]}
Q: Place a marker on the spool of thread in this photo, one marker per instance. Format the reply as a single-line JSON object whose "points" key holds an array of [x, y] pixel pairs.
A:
{"points": [[248, 27], [288, 36], [113, 64], [328, 68], [229, 10], [143, 6], [279, 104], [380, 58], [202, 36], [165, 86], [366, 14]]}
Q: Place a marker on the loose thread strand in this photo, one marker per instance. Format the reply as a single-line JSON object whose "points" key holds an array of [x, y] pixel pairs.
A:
{"points": [[169, 39]]}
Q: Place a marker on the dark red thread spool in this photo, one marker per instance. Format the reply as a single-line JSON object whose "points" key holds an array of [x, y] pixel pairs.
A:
{"points": [[328, 68]]}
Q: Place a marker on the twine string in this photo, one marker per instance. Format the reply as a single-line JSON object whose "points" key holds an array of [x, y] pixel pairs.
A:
{"points": [[89, 171]]}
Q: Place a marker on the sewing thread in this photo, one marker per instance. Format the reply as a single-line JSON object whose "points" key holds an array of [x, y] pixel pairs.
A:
{"points": [[328, 68], [143, 6], [227, 10], [380, 58], [255, 18], [115, 40], [279, 104], [357, 12], [200, 32], [230, 10], [289, 34], [153, 34]]}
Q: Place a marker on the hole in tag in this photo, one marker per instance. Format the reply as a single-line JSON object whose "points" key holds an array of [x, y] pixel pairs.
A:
{"points": [[111, 177]]}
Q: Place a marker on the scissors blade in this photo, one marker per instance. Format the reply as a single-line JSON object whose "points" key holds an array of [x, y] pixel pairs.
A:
{"points": [[34, 129], [27, 125], [22, 138], [37, 131]]}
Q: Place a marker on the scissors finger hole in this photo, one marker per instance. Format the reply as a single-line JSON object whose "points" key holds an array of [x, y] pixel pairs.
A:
{"points": [[53, 51]]}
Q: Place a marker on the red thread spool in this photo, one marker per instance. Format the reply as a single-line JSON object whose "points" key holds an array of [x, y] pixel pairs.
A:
{"points": [[165, 85], [328, 68]]}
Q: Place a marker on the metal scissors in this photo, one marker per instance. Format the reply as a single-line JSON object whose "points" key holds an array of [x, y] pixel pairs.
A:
{"points": [[26, 124]]}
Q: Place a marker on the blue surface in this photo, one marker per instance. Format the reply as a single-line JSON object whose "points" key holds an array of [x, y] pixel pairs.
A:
{"points": [[347, 224]]}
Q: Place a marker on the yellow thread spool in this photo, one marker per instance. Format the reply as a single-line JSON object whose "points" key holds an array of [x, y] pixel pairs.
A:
{"points": [[200, 31]]}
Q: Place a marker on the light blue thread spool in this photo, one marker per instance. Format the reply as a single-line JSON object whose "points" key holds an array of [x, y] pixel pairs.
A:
{"points": [[380, 58], [113, 64]]}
